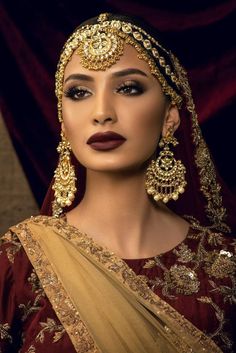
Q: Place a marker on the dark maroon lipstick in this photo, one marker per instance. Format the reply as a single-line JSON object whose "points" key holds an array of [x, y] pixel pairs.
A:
{"points": [[104, 141]]}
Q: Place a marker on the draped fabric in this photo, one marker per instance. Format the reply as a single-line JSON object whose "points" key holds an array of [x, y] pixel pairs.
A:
{"points": [[43, 303], [32, 34]]}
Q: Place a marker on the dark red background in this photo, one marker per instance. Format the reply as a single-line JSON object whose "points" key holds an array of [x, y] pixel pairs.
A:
{"points": [[200, 33]]}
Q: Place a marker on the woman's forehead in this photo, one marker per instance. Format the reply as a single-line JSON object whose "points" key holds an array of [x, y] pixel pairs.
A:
{"points": [[129, 59]]}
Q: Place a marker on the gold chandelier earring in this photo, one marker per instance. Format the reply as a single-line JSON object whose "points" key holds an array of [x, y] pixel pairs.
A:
{"points": [[165, 177], [65, 179]]}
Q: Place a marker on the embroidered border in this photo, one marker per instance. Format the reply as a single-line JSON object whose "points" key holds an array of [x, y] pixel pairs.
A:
{"points": [[63, 305]]}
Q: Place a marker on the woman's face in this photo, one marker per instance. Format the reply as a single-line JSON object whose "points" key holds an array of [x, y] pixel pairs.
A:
{"points": [[125, 99]]}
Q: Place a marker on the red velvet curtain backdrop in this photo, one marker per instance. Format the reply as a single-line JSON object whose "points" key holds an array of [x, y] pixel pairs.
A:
{"points": [[201, 33]]}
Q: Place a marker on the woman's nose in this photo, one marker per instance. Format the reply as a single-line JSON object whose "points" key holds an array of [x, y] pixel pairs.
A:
{"points": [[103, 109], [102, 120]]}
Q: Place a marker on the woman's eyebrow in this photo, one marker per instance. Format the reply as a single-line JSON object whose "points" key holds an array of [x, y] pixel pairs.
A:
{"points": [[82, 77], [121, 73], [130, 71]]}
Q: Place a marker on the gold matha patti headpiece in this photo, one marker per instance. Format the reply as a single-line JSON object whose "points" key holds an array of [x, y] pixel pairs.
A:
{"points": [[101, 45]]}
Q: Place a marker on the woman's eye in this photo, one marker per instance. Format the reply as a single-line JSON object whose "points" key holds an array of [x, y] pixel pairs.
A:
{"points": [[130, 89], [77, 93]]}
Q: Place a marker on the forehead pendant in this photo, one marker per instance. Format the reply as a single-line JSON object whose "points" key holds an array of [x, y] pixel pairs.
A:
{"points": [[100, 46]]}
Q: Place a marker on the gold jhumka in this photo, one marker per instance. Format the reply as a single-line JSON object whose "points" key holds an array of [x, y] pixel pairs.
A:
{"points": [[65, 179], [165, 177]]}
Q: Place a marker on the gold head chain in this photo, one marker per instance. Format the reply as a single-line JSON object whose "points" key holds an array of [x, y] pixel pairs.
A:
{"points": [[100, 46]]}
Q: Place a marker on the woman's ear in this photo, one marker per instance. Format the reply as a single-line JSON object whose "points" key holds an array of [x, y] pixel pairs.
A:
{"points": [[171, 120], [63, 127]]}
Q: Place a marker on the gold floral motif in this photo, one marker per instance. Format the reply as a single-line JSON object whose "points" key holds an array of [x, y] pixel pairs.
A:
{"points": [[183, 279], [223, 264], [29, 308], [4, 334], [35, 283], [184, 254], [220, 264], [31, 349], [7, 237], [52, 327], [219, 314], [215, 239], [165, 289], [228, 293], [150, 264], [32, 307], [12, 250]]}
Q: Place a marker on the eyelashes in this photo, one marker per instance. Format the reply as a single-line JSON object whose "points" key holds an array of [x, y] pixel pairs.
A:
{"points": [[129, 88], [77, 93]]}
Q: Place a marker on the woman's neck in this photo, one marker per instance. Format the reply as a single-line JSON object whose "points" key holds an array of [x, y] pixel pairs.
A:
{"points": [[117, 213]]}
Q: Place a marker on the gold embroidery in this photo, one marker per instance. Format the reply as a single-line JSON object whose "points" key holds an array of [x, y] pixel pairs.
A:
{"points": [[220, 264], [215, 239], [30, 307], [228, 293], [7, 237], [35, 283], [179, 278], [31, 349], [150, 263], [221, 319], [4, 334], [182, 279], [15, 245], [184, 254], [64, 307], [50, 326], [209, 186]]}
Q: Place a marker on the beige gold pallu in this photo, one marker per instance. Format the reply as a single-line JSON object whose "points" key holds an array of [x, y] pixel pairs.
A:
{"points": [[102, 304]]}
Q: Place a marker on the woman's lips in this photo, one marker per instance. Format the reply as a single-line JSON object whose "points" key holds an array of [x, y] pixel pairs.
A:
{"points": [[103, 141]]}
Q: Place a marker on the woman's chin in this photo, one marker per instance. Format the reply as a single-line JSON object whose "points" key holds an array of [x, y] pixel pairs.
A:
{"points": [[116, 168]]}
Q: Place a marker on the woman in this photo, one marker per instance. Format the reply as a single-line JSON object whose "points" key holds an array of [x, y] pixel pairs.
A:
{"points": [[124, 270]]}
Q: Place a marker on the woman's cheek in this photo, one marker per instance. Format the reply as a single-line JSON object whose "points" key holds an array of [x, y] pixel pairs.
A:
{"points": [[72, 124]]}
